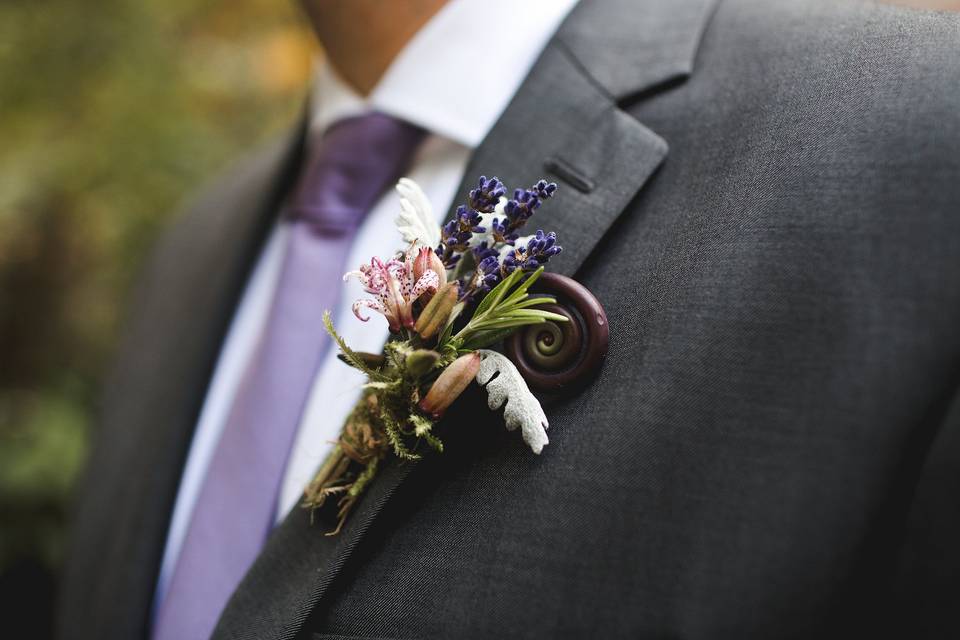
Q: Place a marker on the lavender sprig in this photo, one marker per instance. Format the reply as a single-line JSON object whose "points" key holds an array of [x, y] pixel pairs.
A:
{"points": [[519, 209], [536, 253], [487, 194], [455, 236], [489, 273], [497, 255]]}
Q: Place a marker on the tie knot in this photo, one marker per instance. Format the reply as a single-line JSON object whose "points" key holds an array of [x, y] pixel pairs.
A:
{"points": [[349, 166]]}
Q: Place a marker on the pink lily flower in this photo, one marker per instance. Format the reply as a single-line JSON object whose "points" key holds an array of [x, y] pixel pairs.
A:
{"points": [[395, 288]]}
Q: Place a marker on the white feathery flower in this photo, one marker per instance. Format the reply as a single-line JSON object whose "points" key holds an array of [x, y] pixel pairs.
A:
{"points": [[416, 222]]}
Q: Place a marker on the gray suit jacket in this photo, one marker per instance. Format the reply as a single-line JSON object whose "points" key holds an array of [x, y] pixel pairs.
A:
{"points": [[765, 195]]}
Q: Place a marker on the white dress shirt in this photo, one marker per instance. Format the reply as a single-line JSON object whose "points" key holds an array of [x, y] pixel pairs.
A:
{"points": [[454, 79]]}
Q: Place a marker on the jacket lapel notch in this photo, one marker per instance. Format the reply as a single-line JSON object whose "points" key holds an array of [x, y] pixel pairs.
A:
{"points": [[631, 48]]}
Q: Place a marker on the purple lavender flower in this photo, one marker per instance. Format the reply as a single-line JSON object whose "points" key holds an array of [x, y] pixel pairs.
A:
{"points": [[458, 234], [483, 251], [544, 189], [535, 253], [500, 228], [522, 206], [455, 236], [488, 273], [487, 194], [543, 246]]}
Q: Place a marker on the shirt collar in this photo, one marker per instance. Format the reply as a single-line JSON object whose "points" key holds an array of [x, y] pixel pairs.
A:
{"points": [[457, 74]]}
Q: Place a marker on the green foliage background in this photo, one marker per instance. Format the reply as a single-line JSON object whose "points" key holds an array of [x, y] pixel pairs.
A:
{"points": [[110, 114]]}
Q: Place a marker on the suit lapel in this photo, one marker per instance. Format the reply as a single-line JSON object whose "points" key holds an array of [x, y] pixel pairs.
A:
{"points": [[563, 127], [565, 123]]}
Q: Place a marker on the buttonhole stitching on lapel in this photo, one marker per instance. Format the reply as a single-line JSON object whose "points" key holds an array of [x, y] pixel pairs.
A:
{"points": [[569, 174]]}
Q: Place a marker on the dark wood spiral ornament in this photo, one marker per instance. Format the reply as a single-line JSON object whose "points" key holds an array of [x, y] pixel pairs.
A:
{"points": [[555, 356]]}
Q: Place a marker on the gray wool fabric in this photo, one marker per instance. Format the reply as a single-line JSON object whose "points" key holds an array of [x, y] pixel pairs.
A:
{"points": [[765, 196]]}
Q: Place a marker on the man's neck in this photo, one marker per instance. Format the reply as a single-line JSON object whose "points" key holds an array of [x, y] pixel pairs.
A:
{"points": [[362, 37]]}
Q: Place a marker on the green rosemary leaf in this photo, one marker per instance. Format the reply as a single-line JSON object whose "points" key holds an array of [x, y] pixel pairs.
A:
{"points": [[537, 313], [483, 339], [528, 313], [447, 330], [507, 323], [492, 299], [518, 317], [450, 351], [520, 293], [531, 302]]}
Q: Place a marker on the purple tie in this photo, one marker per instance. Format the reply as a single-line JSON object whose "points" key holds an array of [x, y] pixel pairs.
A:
{"points": [[348, 169]]}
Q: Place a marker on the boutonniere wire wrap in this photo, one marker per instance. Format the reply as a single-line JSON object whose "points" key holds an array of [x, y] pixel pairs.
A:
{"points": [[452, 293]]}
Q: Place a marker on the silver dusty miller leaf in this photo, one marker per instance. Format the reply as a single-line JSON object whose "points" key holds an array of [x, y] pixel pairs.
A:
{"points": [[506, 388], [416, 222]]}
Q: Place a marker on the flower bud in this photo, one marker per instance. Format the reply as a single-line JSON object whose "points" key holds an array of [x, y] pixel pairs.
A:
{"points": [[450, 384], [421, 361], [434, 316], [425, 261]]}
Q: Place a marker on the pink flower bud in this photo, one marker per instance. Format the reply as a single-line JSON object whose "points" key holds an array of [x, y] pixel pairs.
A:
{"points": [[427, 260], [436, 313], [450, 384]]}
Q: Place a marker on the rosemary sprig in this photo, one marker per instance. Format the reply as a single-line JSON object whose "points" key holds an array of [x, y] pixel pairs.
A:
{"points": [[507, 307]]}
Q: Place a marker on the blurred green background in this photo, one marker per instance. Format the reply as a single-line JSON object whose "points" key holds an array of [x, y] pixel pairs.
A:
{"points": [[111, 113]]}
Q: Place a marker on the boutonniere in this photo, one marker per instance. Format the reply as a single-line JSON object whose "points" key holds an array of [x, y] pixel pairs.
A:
{"points": [[452, 293]]}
